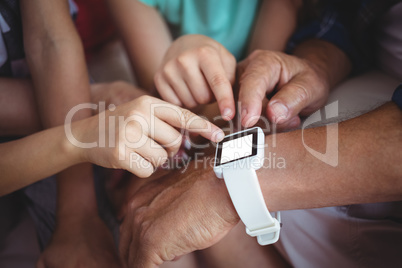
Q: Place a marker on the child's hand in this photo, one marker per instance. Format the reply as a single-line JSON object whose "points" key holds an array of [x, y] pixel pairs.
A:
{"points": [[194, 70], [137, 136], [116, 93]]}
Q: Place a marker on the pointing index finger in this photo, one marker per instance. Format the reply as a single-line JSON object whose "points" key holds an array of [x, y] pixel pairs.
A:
{"points": [[184, 119], [220, 85]]}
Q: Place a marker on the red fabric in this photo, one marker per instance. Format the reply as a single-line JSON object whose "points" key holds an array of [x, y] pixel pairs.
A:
{"points": [[94, 24]]}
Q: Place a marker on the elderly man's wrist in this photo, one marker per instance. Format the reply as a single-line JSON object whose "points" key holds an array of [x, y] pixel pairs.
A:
{"points": [[225, 208]]}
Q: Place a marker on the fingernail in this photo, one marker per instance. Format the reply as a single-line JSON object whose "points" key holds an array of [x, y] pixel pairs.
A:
{"points": [[220, 136], [227, 112], [280, 111]]}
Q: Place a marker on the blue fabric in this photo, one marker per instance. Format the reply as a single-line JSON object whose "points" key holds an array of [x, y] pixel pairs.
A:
{"points": [[397, 96], [227, 21]]}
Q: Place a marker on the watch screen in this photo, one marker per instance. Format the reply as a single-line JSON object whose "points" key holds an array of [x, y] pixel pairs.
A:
{"points": [[238, 146]]}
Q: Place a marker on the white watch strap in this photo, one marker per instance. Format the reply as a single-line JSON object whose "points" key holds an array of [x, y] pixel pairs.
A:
{"points": [[245, 192]]}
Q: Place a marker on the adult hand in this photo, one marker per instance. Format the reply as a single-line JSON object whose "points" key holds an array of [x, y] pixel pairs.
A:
{"points": [[175, 215], [137, 136], [79, 242], [301, 87], [194, 70]]}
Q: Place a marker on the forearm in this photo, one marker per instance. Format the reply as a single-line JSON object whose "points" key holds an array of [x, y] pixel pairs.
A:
{"points": [[35, 157], [275, 23], [368, 169], [56, 59], [18, 111], [330, 62], [145, 35]]}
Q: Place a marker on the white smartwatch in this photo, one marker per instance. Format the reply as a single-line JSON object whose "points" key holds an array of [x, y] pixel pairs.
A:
{"points": [[237, 158]]}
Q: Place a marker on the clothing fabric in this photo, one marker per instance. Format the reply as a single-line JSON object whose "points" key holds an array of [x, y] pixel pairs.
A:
{"points": [[41, 198], [397, 96], [227, 21], [94, 25], [361, 235], [350, 25], [389, 40]]}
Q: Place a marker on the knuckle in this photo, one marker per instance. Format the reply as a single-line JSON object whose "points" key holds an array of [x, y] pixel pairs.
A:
{"points": [[218, 80], [184, 61], [168, 69], [143, 102], [139, 215], [203, 97], [186, 117], [205, 51], [302, 94], [175, 145]]}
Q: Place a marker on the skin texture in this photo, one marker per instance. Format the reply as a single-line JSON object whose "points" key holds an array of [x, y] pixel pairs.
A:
{"points": [[145, 36], [47, 162], [300, 82], [194, 69], [55, 57], [18, 112], [183, 212]]}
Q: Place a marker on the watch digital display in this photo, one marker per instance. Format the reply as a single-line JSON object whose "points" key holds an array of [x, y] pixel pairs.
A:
{"points": [[237, 147]]}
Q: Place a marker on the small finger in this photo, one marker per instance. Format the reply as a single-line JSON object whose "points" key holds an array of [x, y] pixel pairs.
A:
{"points": [[175, 79], [220, 85], [198, 85], [166, 135], [165, 90]]}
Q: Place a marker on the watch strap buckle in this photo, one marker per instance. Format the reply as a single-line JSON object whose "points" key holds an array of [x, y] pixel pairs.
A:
{"points": [[267, 235]]}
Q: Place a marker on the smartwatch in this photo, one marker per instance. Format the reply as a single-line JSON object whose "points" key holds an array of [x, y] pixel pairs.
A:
{"points": [[237, 158]]}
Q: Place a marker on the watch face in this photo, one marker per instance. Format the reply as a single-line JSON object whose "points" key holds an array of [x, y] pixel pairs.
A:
{"points": [[237, 147]]}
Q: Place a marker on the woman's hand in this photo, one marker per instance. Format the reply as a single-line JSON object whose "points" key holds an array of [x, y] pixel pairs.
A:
{"points": [[196, 69], [137, 136]]}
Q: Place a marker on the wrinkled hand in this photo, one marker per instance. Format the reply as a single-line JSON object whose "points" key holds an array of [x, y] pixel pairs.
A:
{"points": [[116, 93], [175, 215], [302, 88], [80, 243], [137, 136], [196, 69]]}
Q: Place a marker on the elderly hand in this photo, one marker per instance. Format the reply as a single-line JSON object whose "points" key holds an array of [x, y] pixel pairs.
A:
{"points": [[299, 84], [175, 215], [301, 88], [194, 70]]}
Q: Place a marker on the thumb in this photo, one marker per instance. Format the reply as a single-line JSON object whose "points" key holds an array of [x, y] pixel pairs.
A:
{"points": [[297, 95]]}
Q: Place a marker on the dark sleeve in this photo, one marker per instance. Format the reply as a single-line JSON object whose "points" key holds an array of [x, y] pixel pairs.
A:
{"points": [[397, 96], [349, 25]]}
